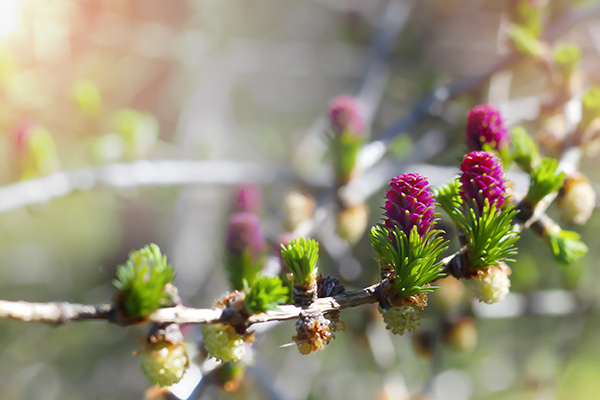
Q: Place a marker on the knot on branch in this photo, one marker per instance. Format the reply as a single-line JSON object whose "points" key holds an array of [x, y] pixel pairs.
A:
{"points": [[234, 313], [458, 266]]}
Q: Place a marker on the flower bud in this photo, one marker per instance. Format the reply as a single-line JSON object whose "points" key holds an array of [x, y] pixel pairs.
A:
{"points": [[298, 207], [576, 199], [486, 126], [347, 123], [492, 283], [402, 319], [222, 342], [351, 222], [312, 333], [346, 116], [164, 359]]}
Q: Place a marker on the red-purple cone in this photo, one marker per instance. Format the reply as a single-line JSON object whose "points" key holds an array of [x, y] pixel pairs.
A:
{"points": [[346, 116], [482, 178], [486, 126], [410, 203], [244, 235]]}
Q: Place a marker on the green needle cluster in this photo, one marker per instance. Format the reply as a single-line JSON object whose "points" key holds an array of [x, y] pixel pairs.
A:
{"points": [[141, 282]]}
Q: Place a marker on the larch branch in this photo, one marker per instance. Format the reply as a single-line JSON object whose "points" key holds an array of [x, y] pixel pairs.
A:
{"points": [[60, 313]]}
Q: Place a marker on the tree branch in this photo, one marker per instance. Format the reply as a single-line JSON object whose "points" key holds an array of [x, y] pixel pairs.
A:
{"points": [[61, 313], [54, 313], [137, 174], [375, 150]]}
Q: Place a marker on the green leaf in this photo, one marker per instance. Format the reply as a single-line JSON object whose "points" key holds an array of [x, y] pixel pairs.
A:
{"points": [[345, 148], [141, 282], [448, 197], [240, 268], [88, 97], [566, 246], [413, 258], [528, 15], [591, 107], [544, 180], [301, 256], [41, 156], [139, 130], [525, 151], [266, 294], [566, 58], [490, 237], [525, 42]]}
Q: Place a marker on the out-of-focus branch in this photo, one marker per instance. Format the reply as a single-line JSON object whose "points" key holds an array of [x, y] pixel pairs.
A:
{"points": [[371, 87], [267, 383], [137, 174], [435, 99]]}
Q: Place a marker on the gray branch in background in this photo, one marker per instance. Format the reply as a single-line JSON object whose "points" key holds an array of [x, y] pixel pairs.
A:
{"points": [[369, 90], [138, 174], [434, 100]]}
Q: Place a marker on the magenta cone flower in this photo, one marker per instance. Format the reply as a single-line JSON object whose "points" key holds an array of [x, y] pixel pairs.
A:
{"points": [[485, 125], [244, 235], [346, 115], [410, 203], [248, 198], [482, 178]]}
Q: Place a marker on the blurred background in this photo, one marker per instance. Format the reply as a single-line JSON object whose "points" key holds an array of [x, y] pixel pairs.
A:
{"points": [[234, 92]]}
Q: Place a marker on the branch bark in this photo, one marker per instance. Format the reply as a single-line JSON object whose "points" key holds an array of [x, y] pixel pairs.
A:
{"points": [[54, 313], [61, 313]]}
